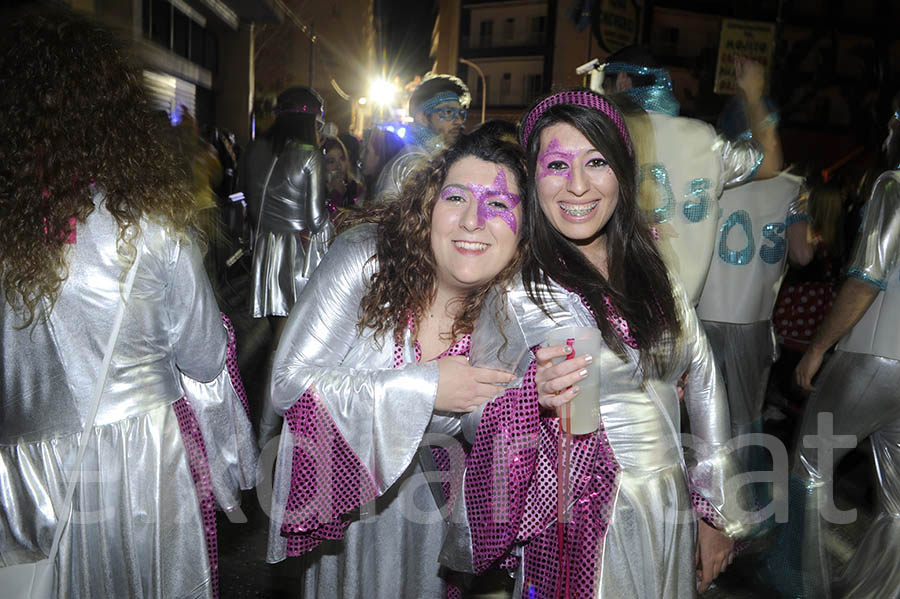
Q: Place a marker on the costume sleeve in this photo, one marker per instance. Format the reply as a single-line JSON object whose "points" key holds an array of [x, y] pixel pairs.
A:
{"points": [[223, 417], [740, 160], [712, 472], [211, 384], [197, 333], [878, 243], [316, 208], [382, 413]]}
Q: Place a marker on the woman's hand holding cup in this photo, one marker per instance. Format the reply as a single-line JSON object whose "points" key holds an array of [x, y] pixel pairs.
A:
{"points": [[557, 384]]}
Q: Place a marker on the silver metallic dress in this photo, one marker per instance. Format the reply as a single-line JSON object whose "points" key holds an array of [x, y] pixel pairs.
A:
{"points": [[390, 548], [648, 549], [858, 396], [136, 528], [286, 196]]}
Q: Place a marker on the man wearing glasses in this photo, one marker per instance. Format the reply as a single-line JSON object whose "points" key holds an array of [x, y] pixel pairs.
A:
{"points": [[440, 104], [439, 107]]}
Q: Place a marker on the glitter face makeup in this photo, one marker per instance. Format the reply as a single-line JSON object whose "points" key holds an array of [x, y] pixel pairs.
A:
{"points": [[554, 152], [494, 201], [583, 192], [474, 224]]}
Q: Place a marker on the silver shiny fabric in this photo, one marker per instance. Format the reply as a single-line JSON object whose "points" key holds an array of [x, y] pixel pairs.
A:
{"points": [[862, 393], [286, 197], [876, 259], [858, 388], [390, 548], [136, 530], [395, 172], [744, 354], [641, 416]]}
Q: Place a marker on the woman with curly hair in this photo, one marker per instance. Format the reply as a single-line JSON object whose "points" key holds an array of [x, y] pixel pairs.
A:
{"points": [[107, 323], [603, 514], [372, 372]]}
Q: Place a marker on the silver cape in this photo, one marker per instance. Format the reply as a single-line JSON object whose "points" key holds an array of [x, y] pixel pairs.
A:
{"points": [[390, 549], [136, 528], [641, 416], [286, 197]]}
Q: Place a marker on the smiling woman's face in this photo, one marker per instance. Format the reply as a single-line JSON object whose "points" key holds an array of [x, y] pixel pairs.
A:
{"points": [[475, 225], [577, 189]]}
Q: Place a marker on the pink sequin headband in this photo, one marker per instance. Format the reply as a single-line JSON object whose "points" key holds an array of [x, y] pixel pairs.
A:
{"points": [[578, 98], [305, 109]]}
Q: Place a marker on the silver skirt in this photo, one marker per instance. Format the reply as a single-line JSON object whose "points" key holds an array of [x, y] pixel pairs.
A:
{"points": [[282, 263]]}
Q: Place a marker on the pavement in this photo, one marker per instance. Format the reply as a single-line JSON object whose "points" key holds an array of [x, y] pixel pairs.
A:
{"points": [[243, 573]]}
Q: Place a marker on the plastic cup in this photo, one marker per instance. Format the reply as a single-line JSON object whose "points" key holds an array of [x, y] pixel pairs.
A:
{"points": [[581, 415]]}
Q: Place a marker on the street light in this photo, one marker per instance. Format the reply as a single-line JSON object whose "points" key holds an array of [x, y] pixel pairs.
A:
{"points": [[483, 84], [382, 92]]}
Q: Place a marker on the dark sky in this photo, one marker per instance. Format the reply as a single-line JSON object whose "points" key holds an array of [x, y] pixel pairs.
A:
{"points": [[408, 25]]}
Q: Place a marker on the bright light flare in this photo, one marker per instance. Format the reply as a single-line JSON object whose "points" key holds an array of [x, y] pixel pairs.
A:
{"points": [[382, 92], [363, 100]]}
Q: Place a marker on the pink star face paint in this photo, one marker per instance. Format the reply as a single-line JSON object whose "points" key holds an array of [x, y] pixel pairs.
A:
{"points": [[553, 153], [494, 201]]}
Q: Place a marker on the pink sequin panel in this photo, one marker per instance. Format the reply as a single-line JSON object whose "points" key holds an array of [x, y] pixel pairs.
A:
{"points": [[511, 496], [231, 362], [327, 478], [199, 463], [315, 513]]}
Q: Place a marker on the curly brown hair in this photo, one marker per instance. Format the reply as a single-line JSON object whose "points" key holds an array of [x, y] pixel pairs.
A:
{"points": [[74, 119], [406, 280]]}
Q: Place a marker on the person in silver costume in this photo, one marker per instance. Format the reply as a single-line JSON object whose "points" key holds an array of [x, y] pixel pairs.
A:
{"points": [[439, 107], [594, 263], [857, 396], [89, 190], [372, 368], [282, 176], [687, 161]]}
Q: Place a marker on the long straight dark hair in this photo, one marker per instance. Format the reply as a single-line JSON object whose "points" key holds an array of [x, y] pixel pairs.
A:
{"points": [[292, 127], [638, 283]]}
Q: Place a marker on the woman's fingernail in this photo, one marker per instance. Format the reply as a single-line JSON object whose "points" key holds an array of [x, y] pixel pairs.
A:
{"points": [[575, 390], [589, 358], [583, 373]]}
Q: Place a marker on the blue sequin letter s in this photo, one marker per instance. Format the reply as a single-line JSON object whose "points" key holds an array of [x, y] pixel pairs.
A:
{"points": [[696, 208], [772, 254], [737, 257], [658, 174]]}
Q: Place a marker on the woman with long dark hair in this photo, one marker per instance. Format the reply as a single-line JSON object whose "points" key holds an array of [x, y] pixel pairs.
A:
{"points": [[119, 390], [372, 375], [282, 175], [606, 514]]}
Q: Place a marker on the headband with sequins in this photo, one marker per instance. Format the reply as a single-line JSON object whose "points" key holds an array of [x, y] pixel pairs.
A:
{"points": [[439, 99], [578, 98], [303, 109]]}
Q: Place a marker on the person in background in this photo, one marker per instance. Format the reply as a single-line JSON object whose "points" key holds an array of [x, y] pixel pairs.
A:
{"points": [[687, 162], [99, 228], [342, 188], [282, 175], [373, 364], [439, 106], [856, 397], [763, 225], [379, 148]]}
